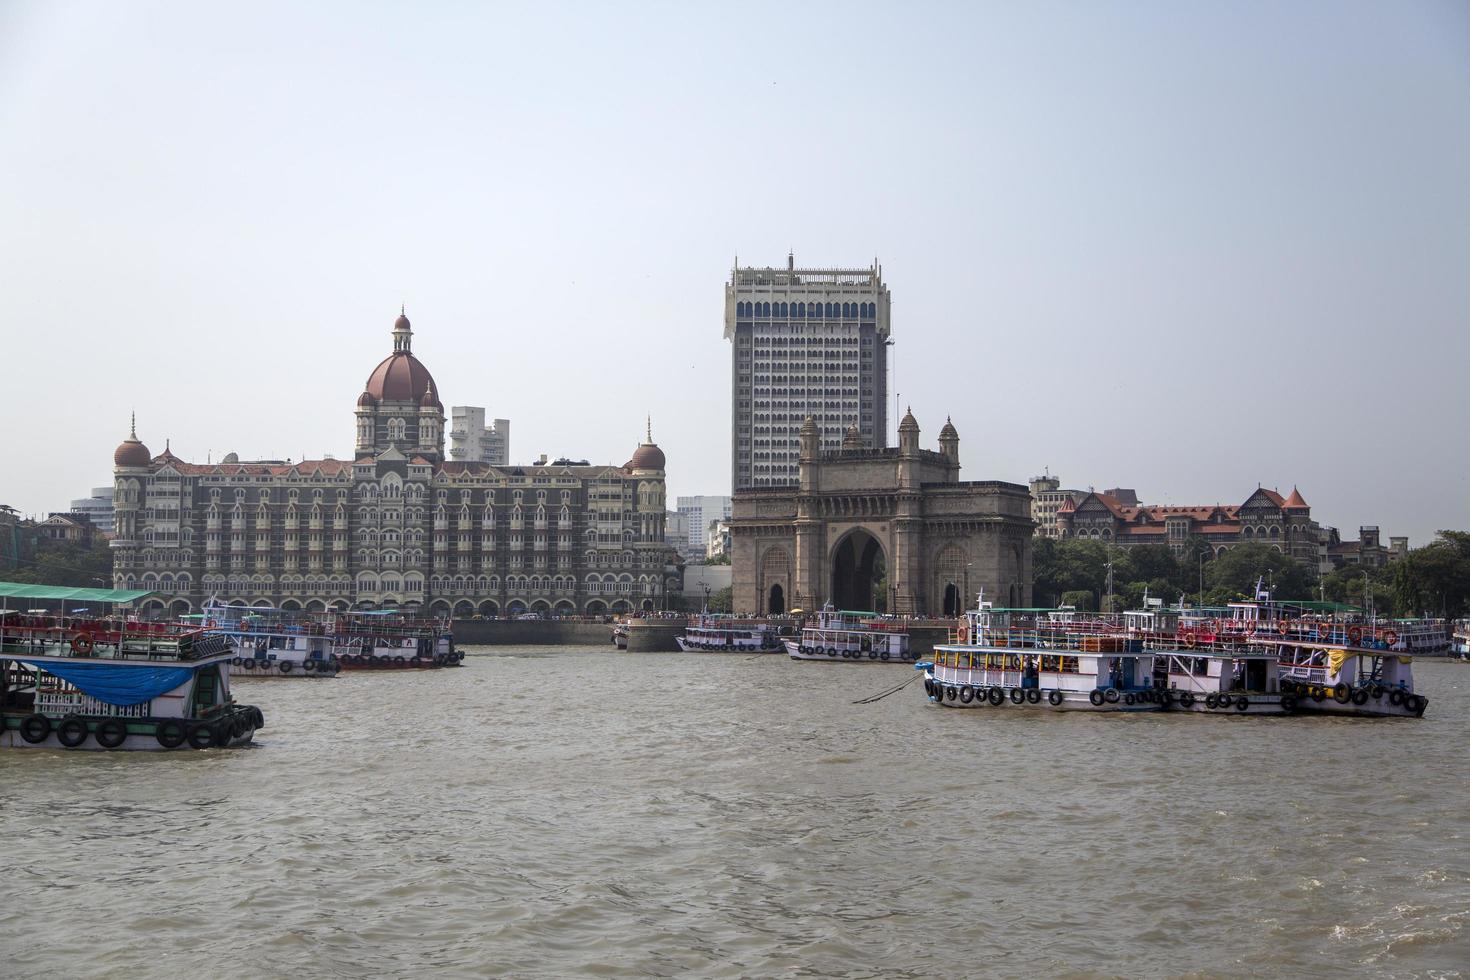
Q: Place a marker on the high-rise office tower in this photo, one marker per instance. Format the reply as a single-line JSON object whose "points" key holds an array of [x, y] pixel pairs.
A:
{"points": [[806, 342]]}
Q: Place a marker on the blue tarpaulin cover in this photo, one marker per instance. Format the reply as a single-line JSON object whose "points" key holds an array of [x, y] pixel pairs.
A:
{"points": [[119, 685]]}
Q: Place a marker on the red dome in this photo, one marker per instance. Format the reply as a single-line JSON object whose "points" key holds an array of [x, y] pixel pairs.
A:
{"points": [[131, 453], [400, 378], [648, 457], [366, 400]]}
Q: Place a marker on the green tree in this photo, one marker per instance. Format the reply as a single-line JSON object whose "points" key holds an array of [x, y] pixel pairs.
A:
{"points": [[1434, 579], [75, 565], [1233, 574], [1083, 599], [722, 601]]}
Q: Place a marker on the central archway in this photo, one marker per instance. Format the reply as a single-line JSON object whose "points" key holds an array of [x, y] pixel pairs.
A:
{"points": [[859, 573], [776, 602]]}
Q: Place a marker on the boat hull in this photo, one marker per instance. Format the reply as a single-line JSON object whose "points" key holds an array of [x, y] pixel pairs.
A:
{"points": [[1373, 708], [1246, 703], [688, 647], [1048, 700], [136, 741], [794, 650]]}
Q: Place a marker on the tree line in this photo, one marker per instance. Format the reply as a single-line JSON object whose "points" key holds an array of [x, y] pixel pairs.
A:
{"points": [[1432, 580]]}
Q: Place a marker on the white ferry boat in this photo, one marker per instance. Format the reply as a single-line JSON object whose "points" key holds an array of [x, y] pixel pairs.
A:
{"points": [[620, 636], [387, 639], [108, 683], [1032, 658], [729, 636], [271, 643], [852, 636]]}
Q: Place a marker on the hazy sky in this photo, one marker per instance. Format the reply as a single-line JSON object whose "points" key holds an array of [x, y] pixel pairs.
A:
{"points": [[1182, 247]]}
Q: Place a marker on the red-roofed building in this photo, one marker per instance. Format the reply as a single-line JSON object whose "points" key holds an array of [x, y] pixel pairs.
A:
{"points": [[397, 525], [1284, 523]]}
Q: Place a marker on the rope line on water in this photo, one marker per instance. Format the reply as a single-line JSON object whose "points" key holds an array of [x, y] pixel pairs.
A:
{"points": [[880, 697]]}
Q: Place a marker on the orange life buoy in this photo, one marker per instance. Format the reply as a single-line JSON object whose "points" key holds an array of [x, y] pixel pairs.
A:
{"points": [[210, 624], [81, 643], [1323, 630], [1355, 634], [1283, 627], [1189, 639]]}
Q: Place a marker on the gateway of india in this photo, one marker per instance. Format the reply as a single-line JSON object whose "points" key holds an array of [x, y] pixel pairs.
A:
{"points": [[892, 530], [396, 526]]}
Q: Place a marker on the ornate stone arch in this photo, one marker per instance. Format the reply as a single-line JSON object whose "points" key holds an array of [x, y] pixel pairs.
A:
{"points": [[775, 580], [948, 583]]}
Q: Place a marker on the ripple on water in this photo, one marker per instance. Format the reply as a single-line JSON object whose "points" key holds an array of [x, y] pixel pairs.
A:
{"points": [[544, 813]]}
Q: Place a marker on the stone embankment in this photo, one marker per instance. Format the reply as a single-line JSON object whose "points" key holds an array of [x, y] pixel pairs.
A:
{"points": [[645, 636]]}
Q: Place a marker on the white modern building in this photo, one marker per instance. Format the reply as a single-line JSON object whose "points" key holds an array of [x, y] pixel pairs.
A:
{"points": [[472, 441], [806, 342], [698, 512], [97, 508]]}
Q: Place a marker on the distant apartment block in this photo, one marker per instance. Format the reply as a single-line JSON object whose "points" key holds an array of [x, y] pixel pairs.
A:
{"points": [[805, 342], [472, 441], [1047, 497], [97, 508], [698, 513]]}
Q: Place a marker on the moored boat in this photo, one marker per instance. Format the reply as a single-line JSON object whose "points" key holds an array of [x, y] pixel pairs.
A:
{"points": [[271, 643], [729, 636], [847, 635], [1032, 658], [390, 640], [84, 682]]}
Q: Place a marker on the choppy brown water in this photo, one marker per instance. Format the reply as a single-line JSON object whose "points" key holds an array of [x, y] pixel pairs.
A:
{"points": [[593, 813]]}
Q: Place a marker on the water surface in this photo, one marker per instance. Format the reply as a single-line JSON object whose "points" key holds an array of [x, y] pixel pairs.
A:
{"points": [[592, 813]]}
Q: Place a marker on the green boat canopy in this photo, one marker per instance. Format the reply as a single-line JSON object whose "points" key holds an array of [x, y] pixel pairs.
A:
{"points": [[24, 590]]}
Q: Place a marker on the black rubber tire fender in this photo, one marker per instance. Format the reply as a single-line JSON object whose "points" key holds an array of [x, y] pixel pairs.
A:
{"points": [[1054, 697], [1318, 695], [1128, 698], [1212, 700], [284, 666], [1033, 695], [72, 732], [200, 736], [1341, 693], [1096, 697], [170, 733], [1226, 700], [1242, 703], [1186, 700], [1018, 696], [966, 695], [951, 692], [1288, 704], [1110, 695], [111, 732], [996, 696], [1360, 697], [35, 728]]}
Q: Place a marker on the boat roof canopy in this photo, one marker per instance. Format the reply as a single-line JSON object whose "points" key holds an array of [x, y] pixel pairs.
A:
{"points": [[25, 590]]}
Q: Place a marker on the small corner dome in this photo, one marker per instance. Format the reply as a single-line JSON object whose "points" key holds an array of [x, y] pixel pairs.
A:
{"points": [[402, 323], [231, 458], [430, 400], [909, 423], [366, 400], [131, 452], [948, 432], [647, 457]]}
